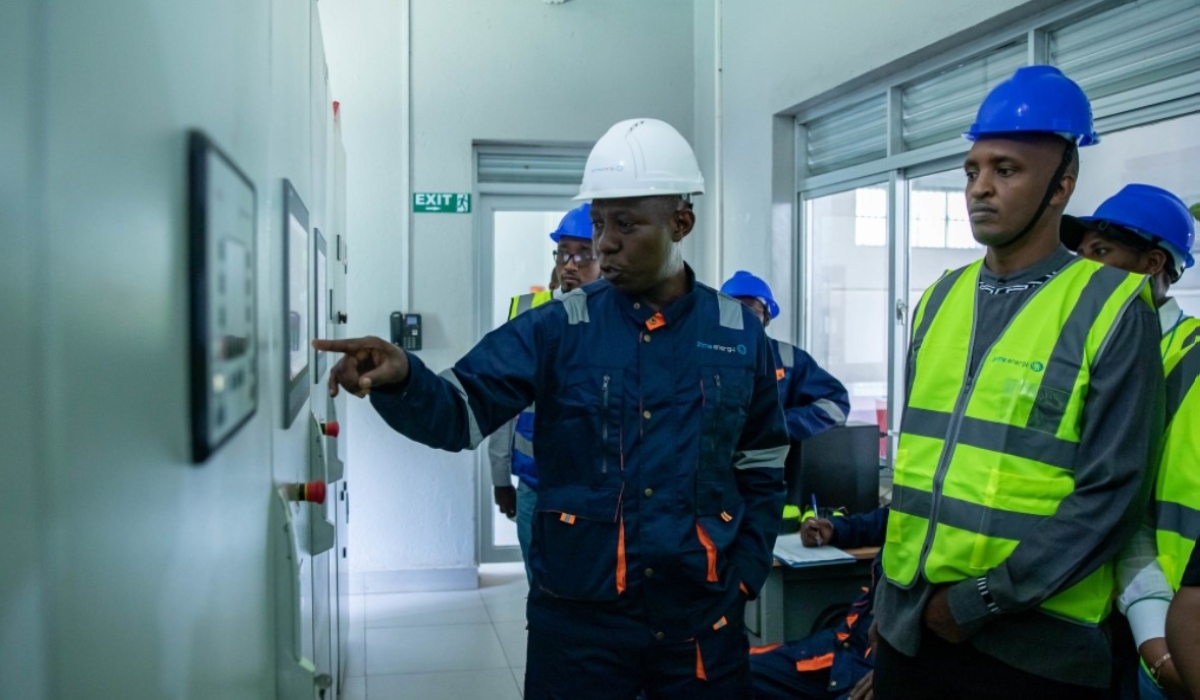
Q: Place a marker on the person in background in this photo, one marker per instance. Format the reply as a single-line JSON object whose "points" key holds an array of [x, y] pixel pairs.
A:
{"points": [[510, 449], [813, 400], [1148, 230], [1033, 411], [660, 443], [837, 663], [1183, 626]]}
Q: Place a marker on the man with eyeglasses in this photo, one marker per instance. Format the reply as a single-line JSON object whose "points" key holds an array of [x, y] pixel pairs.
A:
{"points": [[510, 449], [661, 443]]}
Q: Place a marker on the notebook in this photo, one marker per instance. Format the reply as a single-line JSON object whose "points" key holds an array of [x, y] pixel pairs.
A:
{"points": [[791, 552]]}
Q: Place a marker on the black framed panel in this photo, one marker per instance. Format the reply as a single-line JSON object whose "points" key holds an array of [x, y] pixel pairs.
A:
{"points": [[222, 264]]}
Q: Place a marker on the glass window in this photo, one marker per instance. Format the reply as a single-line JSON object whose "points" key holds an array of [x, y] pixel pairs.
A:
{"points": [[1136, 63], [939, 217], [847, 292], [870, 216], [521, 263], [939, 232], [1163, 154]]}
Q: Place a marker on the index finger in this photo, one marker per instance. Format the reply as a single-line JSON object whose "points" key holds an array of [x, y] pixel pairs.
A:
{"points": [[348, 345]]}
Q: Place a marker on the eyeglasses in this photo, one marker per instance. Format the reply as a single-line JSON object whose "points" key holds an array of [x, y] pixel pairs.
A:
{"points": [[563, 257]]}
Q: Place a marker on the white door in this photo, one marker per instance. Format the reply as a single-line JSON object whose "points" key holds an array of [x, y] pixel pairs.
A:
{"points": [[516, 258]]}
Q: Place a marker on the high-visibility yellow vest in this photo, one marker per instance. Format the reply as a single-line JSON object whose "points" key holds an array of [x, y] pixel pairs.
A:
{"points": [[983, 460], [521, 304], [1177, 489]]}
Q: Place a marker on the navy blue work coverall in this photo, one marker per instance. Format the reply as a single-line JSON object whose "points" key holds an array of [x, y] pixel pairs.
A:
{"points": [[813, 399], [660, 455], [826, 665]]}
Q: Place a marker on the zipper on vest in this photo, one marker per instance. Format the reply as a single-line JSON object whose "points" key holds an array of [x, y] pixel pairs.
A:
{"points": [[604, 427], [964, 399], [951, 443]]}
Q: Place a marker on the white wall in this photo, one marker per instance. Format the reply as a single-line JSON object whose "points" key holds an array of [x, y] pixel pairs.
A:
{"points": [[129, 572], [480, 70], [368, 62], [786, 52], [704, 254]]}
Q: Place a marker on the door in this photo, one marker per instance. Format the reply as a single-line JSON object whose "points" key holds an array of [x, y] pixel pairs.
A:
{"points": [[515, 258]]}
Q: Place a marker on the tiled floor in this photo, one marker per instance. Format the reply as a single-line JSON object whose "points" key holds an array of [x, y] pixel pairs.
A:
{"points": [[458, 645]]}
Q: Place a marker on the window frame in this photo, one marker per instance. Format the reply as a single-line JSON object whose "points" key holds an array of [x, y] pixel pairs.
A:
{"points": [[901, 165]]}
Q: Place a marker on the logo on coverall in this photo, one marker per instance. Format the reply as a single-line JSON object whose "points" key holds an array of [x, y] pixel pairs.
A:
{"points": [[740, 349]]}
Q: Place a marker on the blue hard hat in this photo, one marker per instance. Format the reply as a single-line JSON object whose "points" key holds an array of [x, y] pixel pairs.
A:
{"points": [[1153, 213], [1036, 99], [576, 223], [744, 284]]}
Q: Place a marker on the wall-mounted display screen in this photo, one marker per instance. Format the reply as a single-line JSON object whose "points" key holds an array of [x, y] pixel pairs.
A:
{"points": [[297, 295], [296, 331], [222, 264]]}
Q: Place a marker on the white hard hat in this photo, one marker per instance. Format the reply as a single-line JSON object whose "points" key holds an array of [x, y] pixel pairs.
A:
{"points": [[641, 158]]}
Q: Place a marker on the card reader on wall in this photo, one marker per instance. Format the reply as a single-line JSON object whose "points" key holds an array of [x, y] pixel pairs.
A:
{"points": [[406, 330]]}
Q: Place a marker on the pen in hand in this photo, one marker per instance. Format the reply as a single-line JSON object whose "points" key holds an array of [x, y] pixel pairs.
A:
{"points": [[816, 514]]}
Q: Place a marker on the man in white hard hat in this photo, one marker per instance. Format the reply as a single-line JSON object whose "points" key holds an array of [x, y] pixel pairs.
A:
{"points": [[660, 443]]}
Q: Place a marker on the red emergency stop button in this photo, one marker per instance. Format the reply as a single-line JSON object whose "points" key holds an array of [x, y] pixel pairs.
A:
{"points": [[330, 429], [312, 492]]}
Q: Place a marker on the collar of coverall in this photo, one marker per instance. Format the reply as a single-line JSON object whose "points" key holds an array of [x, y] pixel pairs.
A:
{"points": [[641, 312]]}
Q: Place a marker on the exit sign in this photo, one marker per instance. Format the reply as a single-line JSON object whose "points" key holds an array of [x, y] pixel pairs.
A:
{"points": [[442, 202]]}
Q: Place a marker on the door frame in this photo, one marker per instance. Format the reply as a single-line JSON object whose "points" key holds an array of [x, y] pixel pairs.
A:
{"points": [[549, 198]]}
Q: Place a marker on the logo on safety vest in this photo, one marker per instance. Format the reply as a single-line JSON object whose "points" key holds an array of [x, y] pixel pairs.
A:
{"points": [[1034, 365]]}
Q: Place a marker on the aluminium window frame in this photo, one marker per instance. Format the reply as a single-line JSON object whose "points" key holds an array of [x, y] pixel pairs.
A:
{"points": [[900, 165]]}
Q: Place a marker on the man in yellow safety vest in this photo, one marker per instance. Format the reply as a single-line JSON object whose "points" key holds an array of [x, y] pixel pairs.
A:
{"points": [[1148, 230], [1022, 462]]}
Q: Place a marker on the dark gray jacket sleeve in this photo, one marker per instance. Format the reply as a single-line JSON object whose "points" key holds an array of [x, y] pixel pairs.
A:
{"points": [[1114, 471]]}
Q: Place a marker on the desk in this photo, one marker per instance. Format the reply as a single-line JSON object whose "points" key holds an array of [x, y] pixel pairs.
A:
{"points": [[793, 600]]}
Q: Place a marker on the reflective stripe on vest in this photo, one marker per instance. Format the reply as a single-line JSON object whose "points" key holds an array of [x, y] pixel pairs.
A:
{"points": [[787, 355], [729, 312], [522, 459], [1177, 489], [985, 459]]}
